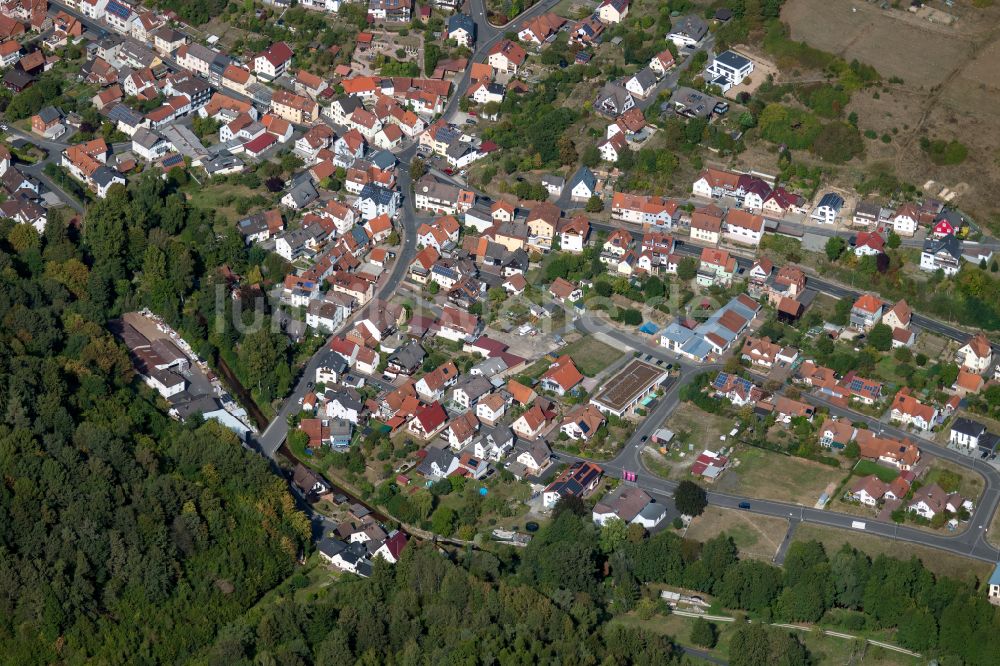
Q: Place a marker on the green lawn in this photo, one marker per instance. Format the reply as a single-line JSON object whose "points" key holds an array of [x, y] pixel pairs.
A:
{"points": [[773, 476], [866, 467], [591, 355]]}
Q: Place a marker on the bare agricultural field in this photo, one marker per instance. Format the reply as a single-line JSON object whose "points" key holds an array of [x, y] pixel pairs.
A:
{"points": [[896, 43], [756, 536]]}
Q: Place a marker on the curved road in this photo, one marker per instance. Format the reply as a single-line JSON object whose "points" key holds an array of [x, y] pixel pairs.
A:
{"points": [[970, 543]]}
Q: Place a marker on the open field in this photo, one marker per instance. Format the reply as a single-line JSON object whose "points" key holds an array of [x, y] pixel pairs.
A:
{"points": [[894, 41], [947, 87], [700, 429], [757, 537], [222, 198], [591, 355], [937, 561], [773, 476]]}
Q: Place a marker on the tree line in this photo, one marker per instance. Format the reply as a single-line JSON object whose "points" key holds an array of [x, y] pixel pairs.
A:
{"points": [[127, 537]]}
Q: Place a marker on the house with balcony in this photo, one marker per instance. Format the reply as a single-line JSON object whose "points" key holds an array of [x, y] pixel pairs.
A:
{"points": [[866, 312]]}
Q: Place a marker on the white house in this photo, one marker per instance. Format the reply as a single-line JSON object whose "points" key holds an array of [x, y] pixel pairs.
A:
{"points": [[688, 32], [642, 83], [828, 208], [906, 220], [729, 69], [966, 433], [976, 355], [582, 185], [612, 11]]}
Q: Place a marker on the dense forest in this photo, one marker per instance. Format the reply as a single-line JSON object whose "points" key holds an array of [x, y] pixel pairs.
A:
{"points": [[126, 537], [560, 600]]}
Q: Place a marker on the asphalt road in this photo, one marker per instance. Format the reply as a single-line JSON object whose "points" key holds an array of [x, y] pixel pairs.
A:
{"points": [[971, 543], [487, 36], [270, 440], [840, 291]]}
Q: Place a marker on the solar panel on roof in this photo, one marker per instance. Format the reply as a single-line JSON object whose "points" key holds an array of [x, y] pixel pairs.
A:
{"points": [[720, 380], [118, 9]]}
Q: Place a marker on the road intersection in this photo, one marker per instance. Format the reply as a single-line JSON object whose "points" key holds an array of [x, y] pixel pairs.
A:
{"points": [[970, 543]]}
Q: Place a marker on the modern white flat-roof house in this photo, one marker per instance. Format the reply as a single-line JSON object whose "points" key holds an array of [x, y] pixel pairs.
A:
{"points": [[729, 69]]}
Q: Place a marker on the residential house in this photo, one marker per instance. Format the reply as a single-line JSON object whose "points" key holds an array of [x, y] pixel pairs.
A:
{"points": [[573, 234], [781, 201], [869, 490], [941, 254], [565, 291], [582, 185], [462, 430], [688, 32], [428, 420], [294, 108], [273, 61], [375, 200], [976, 355], [744, 227], [644, 209], [906, 220], [259, 227], [863, 390], [540, 29], [766, 354], [612, 147], [612, 11], [543, 220], [900, 454], [715, 183], [470, 390], [582, 422], [715, 267], [578, 480], [737, 390], [462, 29], [868, 244], [531, 423], [828, 209], [866, 312], [967, 434], [729, 69], [899, 316], [507, 56], [642, 83], [662, 62], [907, 410], [491, 408], [561, 377], [706, 225], [614, 99], [441, 197], [453, 324], [931, 500], [630, 505], [616, 245], [836, 433]]}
